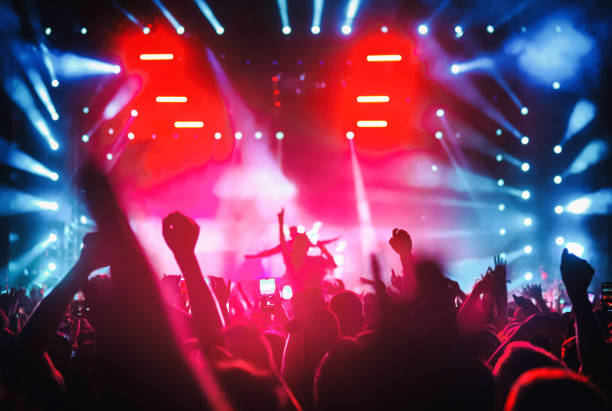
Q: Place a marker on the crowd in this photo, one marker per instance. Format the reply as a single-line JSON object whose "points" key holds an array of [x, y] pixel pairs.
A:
{"points": [[133, 341]]}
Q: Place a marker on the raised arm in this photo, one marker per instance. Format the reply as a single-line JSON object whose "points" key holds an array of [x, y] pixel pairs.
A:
{"points": [[265, 253], [181, 234], [281, 238], [470, 316], [401, 243], [535, 291], [500, 274], [328, 256], [577, 274], [142, 343], [47, 315]]}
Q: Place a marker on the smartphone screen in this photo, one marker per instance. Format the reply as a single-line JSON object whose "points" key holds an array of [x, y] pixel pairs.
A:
{"points": [[267, 286], [606, 296]]}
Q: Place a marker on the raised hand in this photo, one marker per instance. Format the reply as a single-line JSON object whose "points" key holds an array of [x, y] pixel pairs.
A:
{"points": [[281, 215], [499, 261], [401, 242], [576, 274], [397, 281], [533, 291], [180, 232], [485, 284], [220, 288], [499, 274]]}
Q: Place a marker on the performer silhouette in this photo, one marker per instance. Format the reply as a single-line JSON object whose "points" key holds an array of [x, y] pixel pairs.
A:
{"points": [[302, 271]]}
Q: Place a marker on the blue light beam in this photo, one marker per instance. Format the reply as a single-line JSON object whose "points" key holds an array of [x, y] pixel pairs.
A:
{"points": [[284, 15], [171, 19], [592, 154], [349, 15], [69, 65], [582, 114], [210, 16], [11, 156], [19, 92], [317, 15]]}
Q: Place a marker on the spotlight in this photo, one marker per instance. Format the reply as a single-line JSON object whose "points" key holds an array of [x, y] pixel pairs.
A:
{"points": [[501, 207], [525, 195], [111, 131], [85, 138], [575, 248], [220, 30], [134, 113], [286, 30], [525, 167], [556, 85], [502, 231], [499, 158], [528, 276], [54, 145], [558, 209], [280, 135], [116, 69], [528, 249], [524, 111], [458, 31], [527, 221], [384, 29], [47, 205], [48, 31], [54, 176], [350, 135], [146, 29], [315, 29], [558, 179], [423, 29], [434, 168], [85, 110], [287, 292], [83, 30], [557, 149], [180, 30], [455, 69], [525, 140], [109, 156], [258, 135], [52, 266], [54, 83], [500, 182], [217, 136], [83, 219], [559, 240], [131, 135], [498, 131], [238, 135], [440, 112], [502, 255], [438, 135], [52, 237], [579, 206], [346, 29], [490, 29]]}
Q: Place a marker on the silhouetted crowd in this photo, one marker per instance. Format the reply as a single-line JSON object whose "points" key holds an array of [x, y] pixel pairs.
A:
{"points": [[129, 340]]}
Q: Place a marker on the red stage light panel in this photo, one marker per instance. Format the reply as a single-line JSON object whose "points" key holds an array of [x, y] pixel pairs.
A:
{"points": [[382, 99], [179, 104]]}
